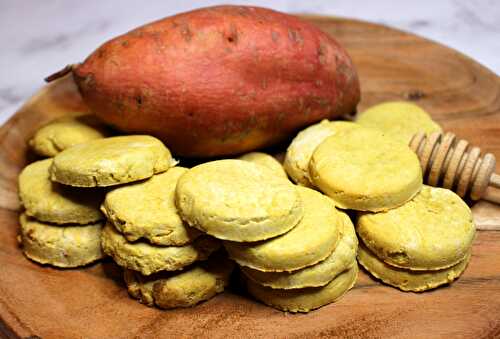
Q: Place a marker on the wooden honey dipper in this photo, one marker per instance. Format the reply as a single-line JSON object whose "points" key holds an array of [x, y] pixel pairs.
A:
{"points": [[452, 163]]}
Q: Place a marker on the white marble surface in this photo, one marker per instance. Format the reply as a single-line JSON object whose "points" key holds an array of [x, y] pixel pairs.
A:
{"points": [[40, 36]]}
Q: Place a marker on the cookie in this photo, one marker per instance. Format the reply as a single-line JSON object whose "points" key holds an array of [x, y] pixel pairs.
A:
{"points": [[148, 259], [433, 231], [111, 161], [311, 241], [52, 202], [265, 160], [305, 299], [69, 246], [198, 282], [155, 218], [303, 145], [408, 280], [237, 200], [399, 120], [317, 275], [63, 133], [361, 169]]}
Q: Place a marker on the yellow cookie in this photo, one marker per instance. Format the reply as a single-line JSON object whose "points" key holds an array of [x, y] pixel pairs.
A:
{"points": [[431, 232], [155, 217], [56, 203], [301, 148], [311, 241], [305, 299], [237, 200], [63, 133], [408, 280], [186, 288], [111, 161], [399, 120], [69, 246], [361, 169], [265, 160], [149, 259], [317, 275]]}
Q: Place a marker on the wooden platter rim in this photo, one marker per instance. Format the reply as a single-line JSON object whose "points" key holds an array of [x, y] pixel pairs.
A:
{"points": [[10, 324]]}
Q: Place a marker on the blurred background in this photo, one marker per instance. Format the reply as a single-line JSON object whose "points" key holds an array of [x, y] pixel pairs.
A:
{"points": [[39, 37]]}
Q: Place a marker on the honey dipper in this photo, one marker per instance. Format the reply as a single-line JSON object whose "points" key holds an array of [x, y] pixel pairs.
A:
{"points": [[454, 164]]}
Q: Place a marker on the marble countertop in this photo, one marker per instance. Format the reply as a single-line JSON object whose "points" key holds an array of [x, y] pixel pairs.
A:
{"points": [[39, 37]]}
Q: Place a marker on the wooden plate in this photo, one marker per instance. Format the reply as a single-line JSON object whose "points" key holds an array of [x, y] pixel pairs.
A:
{"points": [[93, 303]]}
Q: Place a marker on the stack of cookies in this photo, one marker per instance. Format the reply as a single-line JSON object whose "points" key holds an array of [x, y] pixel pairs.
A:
{"points": [[144, 234], [420, 245], [159, 253], [414, 237], [60, 225], [296, 250]]}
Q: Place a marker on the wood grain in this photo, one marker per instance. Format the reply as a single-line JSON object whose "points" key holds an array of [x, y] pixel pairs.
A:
{"points": [[93, 303]]}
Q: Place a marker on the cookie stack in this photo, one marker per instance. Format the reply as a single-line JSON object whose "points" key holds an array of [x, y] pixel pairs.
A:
{"points": [[144, 234], [414, 237], [160, 254], [60, 226], [420, 245], [296, 250]]}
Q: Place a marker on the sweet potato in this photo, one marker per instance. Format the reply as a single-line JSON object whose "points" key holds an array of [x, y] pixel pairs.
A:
{"points": [[220, 80]]}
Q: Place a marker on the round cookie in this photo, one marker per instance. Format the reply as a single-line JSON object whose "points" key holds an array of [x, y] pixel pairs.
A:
{"points": [[305, 299], [399, 120], [69, 246], [63, 133], [432, 231], [52, 202], [311, 241], [111, 161], [237, 200], [301, 148], [317, 275], [155, 218], [363, 170], [265, 160], [186, 288], [149, 259], [408, 280]]}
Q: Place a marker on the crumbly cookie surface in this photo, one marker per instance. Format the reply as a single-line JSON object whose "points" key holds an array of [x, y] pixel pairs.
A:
{"points": [[67, 247], [237, 200], [265, 160], [60, 134], [305, 299], [155, 218], [317, 275], [311, 241], [52, 202], [409, 280], [399, 120], [148, 259], [198, 282], [361, 169], [432, 231], [111, 161], [301, 148]]}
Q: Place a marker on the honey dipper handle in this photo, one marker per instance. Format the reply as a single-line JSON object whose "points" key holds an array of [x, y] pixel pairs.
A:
{"points": [[492, 194], [495, 180]]}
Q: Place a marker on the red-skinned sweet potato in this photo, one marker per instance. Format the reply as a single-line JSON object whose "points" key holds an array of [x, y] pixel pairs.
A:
{"points": [[220, 80]]}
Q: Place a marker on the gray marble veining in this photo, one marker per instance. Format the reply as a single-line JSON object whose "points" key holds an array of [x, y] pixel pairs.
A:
{"points": [[39, 37]]}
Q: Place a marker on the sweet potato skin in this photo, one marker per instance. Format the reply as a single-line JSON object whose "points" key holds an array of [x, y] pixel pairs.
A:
{"points": [[220, 80]]}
